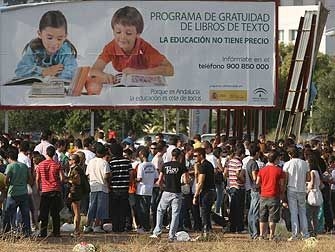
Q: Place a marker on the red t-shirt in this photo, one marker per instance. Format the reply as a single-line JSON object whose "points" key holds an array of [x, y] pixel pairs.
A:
{"points": [[48, 171], [270, 177], [142, 56]]}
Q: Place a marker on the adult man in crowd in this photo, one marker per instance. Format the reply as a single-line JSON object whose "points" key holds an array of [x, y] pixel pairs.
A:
{"points": [[205, 188], [98, 172], [171, 197], [158, 162], [87, 144], [197, 141], [297, 173], [146, 177], [252, 170], [45, 142], [271, 180], [236, 177], [159, 137], [173, 140], [23, 154], [17, 177], [120, 168], [49, 176], [101, 137]]}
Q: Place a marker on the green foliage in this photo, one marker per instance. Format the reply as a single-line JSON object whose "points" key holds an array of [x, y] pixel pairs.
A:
{"points": [[77, 120], [323, 119], [36, 120]]}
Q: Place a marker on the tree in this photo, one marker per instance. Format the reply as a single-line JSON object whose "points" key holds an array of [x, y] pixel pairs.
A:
{"points": [[323, 119], [36, 120]]}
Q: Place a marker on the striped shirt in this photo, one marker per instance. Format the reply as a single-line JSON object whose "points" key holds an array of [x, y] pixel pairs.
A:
{"points": [[234, 166], [48, 171], [120, 169]]}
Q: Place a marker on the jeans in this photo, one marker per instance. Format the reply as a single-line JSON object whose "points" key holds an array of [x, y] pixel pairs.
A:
{"points": [[118, 205], [50, 202], [197, 226], [184, 217], [297, 206], [219, 198], [312, 218], [143, 210], [173, 200], [12, 203], [253, 214], [327, 208], [155, 198], [206, 200], [98, 207], [236, 209]]}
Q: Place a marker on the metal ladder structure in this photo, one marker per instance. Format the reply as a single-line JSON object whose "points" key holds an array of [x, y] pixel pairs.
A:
{"points": [[295, 100]]}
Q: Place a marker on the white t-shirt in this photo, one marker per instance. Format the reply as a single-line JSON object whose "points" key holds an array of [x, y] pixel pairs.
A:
{"points": [[148, 173], [42, 147], [22, 158], [296, 169], [167, 156], [88, 155], [317, 180], [96, 170], [212, 159]]}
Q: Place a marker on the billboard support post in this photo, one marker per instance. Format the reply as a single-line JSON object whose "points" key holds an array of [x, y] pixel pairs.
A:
{"points": [[6, 121], [92, 123]]}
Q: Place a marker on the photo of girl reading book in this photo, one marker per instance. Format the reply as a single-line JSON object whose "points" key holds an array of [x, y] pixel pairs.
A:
{"points": [[51, 53]]}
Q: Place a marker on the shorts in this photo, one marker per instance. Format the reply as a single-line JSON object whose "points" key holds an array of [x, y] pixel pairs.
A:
{"points": [[269, 210], [99, 206]]}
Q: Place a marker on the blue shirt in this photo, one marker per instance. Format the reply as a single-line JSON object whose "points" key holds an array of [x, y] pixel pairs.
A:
{"points": [[33, 62]]}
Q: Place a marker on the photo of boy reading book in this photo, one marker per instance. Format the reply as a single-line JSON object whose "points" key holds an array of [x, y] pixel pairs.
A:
{"points": [[128, 52]]}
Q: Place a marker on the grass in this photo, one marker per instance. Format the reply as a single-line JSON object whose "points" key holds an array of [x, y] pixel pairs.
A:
{"points": [[132, 242], [218, 242]]}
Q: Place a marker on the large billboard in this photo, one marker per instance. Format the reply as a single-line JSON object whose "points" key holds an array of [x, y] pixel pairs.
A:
{"points": [[153, 53]]}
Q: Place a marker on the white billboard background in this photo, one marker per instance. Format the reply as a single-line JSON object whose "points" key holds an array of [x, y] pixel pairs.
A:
{"points": [[237, 63]]}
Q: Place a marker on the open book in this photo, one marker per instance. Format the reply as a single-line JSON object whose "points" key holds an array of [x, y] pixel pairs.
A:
{"points": [[34, 79], [139, 80]]}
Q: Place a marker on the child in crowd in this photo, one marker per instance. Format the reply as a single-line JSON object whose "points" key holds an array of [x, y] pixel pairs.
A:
{"points": [[128, 52], [50, 54]]}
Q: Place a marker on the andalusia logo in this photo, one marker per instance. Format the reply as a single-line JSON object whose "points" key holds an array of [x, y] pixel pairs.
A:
{"points": [[260, 92], [260, 95]]}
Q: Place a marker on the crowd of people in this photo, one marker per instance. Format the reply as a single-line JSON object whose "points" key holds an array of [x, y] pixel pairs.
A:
{"points": [[241, 186]]}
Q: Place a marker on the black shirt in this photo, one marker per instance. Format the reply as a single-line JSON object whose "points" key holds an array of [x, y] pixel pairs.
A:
{"points": [[173, 171], [207, 168]]}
